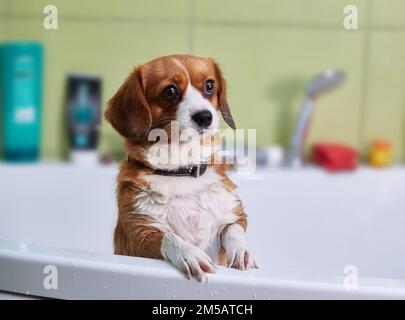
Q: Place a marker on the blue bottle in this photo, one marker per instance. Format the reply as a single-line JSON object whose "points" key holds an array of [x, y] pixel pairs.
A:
{"points": [[21, 65]]}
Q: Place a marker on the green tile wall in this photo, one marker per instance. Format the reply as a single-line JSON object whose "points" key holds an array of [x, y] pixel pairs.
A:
{"points": [[268, 50], [387, 13], [295, 14], [269, 69], [385, 100], [3, 20]]}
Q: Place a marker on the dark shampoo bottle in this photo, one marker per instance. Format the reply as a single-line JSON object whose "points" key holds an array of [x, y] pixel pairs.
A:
{"points": [[83, 117]]}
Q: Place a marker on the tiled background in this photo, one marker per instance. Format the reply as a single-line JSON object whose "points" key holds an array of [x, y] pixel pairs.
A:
{"points": [[268, 50]]}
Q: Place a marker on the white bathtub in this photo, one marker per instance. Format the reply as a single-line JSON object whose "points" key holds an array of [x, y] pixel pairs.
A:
{"points": [[306, 229]]}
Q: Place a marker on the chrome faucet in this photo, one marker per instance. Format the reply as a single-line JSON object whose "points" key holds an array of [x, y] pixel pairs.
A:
{"points": [[318, 85]]}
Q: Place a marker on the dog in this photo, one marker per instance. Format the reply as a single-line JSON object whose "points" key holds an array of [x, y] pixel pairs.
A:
{"points": [[186, 213]]}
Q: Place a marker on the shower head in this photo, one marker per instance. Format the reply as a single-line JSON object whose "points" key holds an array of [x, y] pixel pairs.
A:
{"points": [[321, 84], [324, 82]]}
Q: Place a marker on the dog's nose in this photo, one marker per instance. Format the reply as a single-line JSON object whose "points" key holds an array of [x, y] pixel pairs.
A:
{"points": [[202, 118]]}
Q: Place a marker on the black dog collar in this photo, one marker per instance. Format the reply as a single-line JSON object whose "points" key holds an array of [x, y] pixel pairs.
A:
{"points": [[190, 171]]}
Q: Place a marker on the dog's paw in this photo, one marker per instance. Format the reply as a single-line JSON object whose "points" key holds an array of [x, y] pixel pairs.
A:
{"points": [[240, 258], [192, 261], [237, 254]]}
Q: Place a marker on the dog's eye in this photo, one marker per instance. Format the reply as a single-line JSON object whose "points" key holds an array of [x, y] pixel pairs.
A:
{"points": [[170, 93], [209, 87]]}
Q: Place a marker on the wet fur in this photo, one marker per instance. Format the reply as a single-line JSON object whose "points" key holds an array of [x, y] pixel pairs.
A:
{"points": [[173, 218]]}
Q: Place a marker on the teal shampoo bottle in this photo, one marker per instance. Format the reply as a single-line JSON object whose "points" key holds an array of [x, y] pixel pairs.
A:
{"points": [[21, 67]]}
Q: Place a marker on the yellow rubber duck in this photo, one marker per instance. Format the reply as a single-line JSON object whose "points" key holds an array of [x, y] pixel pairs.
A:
{"points": [[380, 153]]}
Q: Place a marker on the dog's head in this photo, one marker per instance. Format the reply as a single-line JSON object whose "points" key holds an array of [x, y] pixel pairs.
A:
{"points": [[185, 88]]}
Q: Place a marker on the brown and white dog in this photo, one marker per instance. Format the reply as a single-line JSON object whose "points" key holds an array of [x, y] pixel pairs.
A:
{"points": [[168, 211]]}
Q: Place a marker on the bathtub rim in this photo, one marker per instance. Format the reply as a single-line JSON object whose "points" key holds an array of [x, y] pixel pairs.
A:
{"points": [[368, 287]]}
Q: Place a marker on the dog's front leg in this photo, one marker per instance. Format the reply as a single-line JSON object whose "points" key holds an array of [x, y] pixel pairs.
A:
{"points": [[233, 240], [192, 261]]}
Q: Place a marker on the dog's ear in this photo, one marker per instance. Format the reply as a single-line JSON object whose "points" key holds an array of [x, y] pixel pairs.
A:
{"points": [[128, 111], [222, 100]]}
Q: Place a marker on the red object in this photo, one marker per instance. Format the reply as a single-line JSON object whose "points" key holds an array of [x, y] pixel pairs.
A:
{"points": [[335, 157]]}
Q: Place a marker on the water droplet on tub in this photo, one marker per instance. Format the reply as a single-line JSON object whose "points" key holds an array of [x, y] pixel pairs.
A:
{"points": [[27, 292], [212, 294], [173, 296], [74, 275], [254, 295]]}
